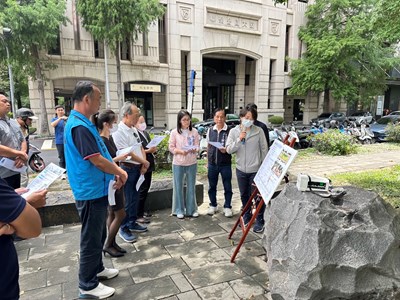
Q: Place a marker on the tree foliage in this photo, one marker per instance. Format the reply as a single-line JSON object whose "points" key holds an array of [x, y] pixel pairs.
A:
{"points": [[345, 57], [35, 26], [386, 20], [113, 21]]}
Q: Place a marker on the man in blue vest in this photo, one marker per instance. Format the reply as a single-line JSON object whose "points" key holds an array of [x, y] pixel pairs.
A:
{"points": [[90, 169], [219, 162]]}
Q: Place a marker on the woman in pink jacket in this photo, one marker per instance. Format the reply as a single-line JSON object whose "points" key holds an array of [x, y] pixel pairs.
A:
{"points": [[184, 145]]}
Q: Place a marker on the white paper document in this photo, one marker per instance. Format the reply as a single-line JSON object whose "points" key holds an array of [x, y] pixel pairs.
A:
{"points": [[188, 148], [273, 168], [9, 164], [217, 145], [44, 179], [157, 139], [111, 193], [125, 150], [139, 182]]}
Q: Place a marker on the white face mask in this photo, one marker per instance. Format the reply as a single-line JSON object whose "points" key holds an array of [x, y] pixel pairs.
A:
{"points": [[142, 126], [247, 123], [114, 129]]}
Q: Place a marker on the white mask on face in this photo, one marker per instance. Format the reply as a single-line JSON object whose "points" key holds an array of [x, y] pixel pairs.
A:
{"points": [[142, 126], [247, 123], [113, 129]]}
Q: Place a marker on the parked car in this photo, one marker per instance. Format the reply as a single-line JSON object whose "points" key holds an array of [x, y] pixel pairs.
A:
{"points": [[395, 113], [326, 118], [379, 127], [361, 117]]}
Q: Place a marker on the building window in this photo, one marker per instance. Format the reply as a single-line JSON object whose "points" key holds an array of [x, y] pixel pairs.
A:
{"points": [[145, 43], [56, 50], [125, 48], [162, 39], [76, 26], [287, 42], [98, 49]]}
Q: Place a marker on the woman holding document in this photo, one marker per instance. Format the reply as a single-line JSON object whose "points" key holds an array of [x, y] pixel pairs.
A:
{"points": [[184, 145], [106, 123]]}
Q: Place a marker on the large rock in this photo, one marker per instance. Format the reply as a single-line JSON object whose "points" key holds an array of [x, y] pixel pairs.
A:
{"points": [[319, 249]]}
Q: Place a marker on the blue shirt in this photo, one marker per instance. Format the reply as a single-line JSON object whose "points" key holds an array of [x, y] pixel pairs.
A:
{"points": [[11, 206], [59, 131], [86, 180]]}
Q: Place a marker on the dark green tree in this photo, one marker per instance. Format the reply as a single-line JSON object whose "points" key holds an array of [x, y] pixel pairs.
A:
{"points": [[115, 21], [386, 20], [35, 25], [345, 57]]}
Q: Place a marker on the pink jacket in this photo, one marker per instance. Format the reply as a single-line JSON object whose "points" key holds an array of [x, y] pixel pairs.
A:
{"points": [[178, 141]]}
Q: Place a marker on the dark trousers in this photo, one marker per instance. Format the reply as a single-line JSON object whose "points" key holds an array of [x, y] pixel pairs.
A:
{"points": [[93, 214], [131, 195], [14, 181], [245, 181], [143, 191], [61, 157], [226, 174]]}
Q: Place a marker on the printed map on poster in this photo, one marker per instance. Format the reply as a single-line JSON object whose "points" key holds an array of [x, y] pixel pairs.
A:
{"points": [[273, 168]]}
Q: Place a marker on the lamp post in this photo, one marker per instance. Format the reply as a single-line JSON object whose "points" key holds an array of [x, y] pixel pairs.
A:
{"points": [[3, 31]]}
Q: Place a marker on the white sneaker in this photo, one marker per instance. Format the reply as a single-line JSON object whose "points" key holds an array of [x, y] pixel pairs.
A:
{"points": [[212, 210], [180, 216], [107, 273], [100, 292], [228, 212], [195, 214]]}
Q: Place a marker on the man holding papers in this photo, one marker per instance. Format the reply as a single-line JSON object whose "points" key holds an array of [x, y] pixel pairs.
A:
{"points": [[219, 162], [12, 145], [90, 170], [127, 137]]}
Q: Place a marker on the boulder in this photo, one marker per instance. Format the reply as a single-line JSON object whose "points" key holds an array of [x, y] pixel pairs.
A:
{"points": [[318, 248]]}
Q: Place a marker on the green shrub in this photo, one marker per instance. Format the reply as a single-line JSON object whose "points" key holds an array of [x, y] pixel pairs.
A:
{"points": [[276, 120], [393, 132], [194, 120], [333, 142], [163, 157]]}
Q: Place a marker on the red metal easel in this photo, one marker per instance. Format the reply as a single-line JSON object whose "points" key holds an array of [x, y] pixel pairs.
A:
{"points": [[254, 196]]}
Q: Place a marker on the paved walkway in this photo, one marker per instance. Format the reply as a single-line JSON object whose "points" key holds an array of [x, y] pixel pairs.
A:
{"points": [[176, 259]]}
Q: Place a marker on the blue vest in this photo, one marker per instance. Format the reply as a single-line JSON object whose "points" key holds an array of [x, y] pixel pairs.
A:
{"points": [[86, 180]]}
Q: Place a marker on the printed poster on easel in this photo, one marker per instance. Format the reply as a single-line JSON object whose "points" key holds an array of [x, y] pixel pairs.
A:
{"points": [[273, 168]]}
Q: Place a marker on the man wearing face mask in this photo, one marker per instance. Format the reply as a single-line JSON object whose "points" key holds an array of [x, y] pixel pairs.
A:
{"points": [[250, 145], [144, 188]]}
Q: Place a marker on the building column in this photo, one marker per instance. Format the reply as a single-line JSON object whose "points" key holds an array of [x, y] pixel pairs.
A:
{"points": [[240, 100]]}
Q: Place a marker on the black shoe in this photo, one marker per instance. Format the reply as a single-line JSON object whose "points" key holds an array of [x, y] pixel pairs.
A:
{"points": [[116, 246], [112, 252]]}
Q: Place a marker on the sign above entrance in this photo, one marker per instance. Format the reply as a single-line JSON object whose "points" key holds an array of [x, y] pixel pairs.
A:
{"points": [[151, 88]]}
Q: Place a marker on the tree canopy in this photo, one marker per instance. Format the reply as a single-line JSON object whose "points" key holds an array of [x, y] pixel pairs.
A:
{"points": [[35, 26], [115, 21], [345, 57]]}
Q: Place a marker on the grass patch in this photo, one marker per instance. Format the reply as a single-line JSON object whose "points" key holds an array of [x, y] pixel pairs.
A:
{"points": [[385, 182]]}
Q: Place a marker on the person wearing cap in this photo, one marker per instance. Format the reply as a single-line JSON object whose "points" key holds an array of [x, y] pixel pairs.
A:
{"points": [[24, 118], [12, 144]]}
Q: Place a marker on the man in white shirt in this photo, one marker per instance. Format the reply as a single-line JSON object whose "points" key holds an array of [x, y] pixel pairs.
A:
{"points": [[127, 136]]}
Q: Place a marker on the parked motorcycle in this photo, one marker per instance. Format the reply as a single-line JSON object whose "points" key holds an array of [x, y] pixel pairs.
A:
{"points": [[35, 161]]}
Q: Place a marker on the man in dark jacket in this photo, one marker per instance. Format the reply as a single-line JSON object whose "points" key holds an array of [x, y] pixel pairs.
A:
{"points": [[259, 124], [219, 162]]}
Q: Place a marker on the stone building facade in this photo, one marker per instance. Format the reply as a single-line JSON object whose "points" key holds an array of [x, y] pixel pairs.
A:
{"points": [[237, 48]]}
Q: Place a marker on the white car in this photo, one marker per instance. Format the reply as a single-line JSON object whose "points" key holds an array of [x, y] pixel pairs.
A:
{"points": [[361, 117]]}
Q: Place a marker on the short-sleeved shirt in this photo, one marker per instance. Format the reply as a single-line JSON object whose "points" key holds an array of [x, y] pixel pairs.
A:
{"points": [[59, 131], [11, 206], [10, 136], [85, 142]]}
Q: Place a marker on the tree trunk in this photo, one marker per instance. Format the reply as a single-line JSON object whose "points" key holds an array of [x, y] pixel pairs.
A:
{"points": [[119, 77], [44, 124], [326, 100]]}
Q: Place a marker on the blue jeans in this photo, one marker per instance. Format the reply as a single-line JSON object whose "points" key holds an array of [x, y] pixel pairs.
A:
{"points": [[131, 196], [93, 214], [226, 174], [245, 181], [179, 203]]}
